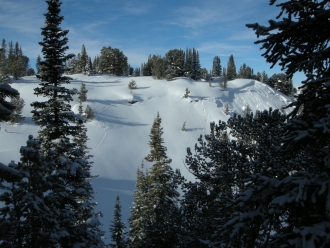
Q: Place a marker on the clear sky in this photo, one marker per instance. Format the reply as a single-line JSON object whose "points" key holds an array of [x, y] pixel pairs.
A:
{"points": [[139, 28]]}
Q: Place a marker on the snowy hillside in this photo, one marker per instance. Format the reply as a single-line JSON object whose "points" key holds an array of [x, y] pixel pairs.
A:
{"points": [[119, 134]]}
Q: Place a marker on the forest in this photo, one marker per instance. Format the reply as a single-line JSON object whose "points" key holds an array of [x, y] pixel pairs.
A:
{"points": [[261, 179]]}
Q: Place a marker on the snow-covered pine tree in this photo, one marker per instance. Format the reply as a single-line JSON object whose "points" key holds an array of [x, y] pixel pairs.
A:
{"points": [[231, 68], [207, 201], [38, 64], [71, 191], [216, 67], [157, 67], [300, 42], [82, 93], [161, 199], [259, 139], [83, 63], [188, 62], [6, 91], [138, 217], [29, 205], [117, 228], [4, 77], [196, 66], [16, 115], [89, 113]]}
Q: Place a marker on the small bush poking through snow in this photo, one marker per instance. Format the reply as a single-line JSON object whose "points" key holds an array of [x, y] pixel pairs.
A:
{"points": [[132, 85], [183, 128], [186, 94]]}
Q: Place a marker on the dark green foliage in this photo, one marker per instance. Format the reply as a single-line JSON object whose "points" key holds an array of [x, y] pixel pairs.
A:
{"points": [[231, 68], [117, 228], [138, 216], [213, 164], [186, 94], [89, 113], [112, 61], [70, 195], [17, 63], [157, 68], [82, 93], [155, 216], [300, 42], [16, 115], [216, 67], [281, 82], [245, 72], [175, 61], [6, 91]]}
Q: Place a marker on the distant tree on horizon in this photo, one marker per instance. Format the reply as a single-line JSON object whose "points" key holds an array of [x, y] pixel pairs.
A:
{"points": [[231, 68], [216, 67]]}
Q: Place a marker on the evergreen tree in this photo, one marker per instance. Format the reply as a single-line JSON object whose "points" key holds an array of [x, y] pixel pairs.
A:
{"points": [[84, 60], [117, 228], [157, 68], [71, 191], [258, 139], [196, 66], [16, 115], [112, 61], [206, 201], [89, 67], [82, 93], [138, 217], [4, 77], [27, 203], [300, 44], [160, 210], [38, 64], [6, 90], [231, 68], [216, 68], [89, 113], [264, 77], [188, 62], [175, 62]]}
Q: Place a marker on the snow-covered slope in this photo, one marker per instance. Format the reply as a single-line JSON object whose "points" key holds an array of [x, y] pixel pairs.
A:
{"points": [[119, 134]]}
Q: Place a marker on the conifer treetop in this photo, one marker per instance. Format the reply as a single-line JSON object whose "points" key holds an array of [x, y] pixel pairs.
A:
{"points": [[158, 151]]}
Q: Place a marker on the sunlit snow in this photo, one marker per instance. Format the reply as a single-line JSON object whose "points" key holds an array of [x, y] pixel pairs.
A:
{"points": [[119, 134]]}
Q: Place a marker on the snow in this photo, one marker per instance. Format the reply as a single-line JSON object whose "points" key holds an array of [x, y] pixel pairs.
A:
{"points": [[119, 134]]}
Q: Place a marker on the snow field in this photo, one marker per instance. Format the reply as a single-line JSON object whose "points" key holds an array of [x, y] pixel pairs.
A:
{"points": [[119, 134]]}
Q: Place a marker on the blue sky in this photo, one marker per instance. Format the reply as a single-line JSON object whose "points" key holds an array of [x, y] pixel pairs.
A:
{"points": [[139, 28]]}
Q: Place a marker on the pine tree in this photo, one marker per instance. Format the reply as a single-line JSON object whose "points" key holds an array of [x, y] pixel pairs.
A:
{"points": [[138, 217], [117, 228], [186, 94], [196, 66], [84, 59], [259, 140], [216, 68], [82, 93], [300, 44], [71, 192], [38, 64], [6, 90], [4, 77], [89, 113], [16, 115], [231, 68], [31, 206], [162, 223], [206, 201], [226, 108]]}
